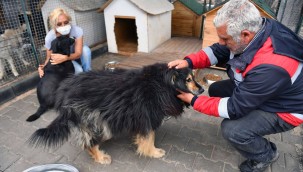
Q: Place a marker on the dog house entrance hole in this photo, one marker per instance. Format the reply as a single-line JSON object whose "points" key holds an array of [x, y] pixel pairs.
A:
{"points": [[126, 35]]}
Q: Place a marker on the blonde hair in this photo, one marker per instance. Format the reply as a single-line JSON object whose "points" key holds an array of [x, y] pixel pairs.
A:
{"points": [[53, 17]]}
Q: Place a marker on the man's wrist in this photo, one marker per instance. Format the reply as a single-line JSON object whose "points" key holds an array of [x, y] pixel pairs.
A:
{"points": [[193, 100]]}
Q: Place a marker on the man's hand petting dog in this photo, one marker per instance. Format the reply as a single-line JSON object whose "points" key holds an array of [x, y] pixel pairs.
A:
{"points": [[178, 64], [58, 58], [185, 97]]}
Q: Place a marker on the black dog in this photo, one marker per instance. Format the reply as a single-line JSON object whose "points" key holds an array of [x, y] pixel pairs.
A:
{"points": [[53, 75], [103, 104]]}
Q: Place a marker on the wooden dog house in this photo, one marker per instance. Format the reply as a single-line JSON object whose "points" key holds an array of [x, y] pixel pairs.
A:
{"points": [[187, 18], [136, 25]]}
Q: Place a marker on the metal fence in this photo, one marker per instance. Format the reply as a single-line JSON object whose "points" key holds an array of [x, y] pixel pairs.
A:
{"points": [[22, 38]]}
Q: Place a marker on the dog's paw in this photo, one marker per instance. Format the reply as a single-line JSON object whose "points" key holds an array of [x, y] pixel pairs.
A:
{"points": [[32, 118], [104, 159], [158, 153]]}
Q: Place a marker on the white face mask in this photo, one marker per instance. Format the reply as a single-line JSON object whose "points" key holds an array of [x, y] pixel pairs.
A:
{"points": [[64, 30]]}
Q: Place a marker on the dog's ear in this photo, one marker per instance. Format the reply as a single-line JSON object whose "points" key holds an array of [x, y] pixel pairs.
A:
{"points": [[175, 74]]}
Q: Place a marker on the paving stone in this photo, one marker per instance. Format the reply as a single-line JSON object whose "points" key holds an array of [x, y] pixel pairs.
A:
{"points": [[131, 157], [202, 164], [221, 155], [190, 133], [114, 167], [195, 147], [292, 162], [171, 127], [39, 155], [285, 147], [20, 104], [19, 165], [184, 158], [208, 128], [14, 114], [7, 158], [32, 98], [6, 124], [290, 137], [229, 168], [69, 151], [6, 109], [156, 165], [175, 140]]}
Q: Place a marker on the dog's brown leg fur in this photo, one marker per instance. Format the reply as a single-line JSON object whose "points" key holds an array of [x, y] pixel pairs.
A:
{"points": [[99, 156], [146, 146]]}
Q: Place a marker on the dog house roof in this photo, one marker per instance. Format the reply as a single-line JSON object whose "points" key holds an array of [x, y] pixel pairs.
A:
{"points": [[80, 5], [153, 7]]}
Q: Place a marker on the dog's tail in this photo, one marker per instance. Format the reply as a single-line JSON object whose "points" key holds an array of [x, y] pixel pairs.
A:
{"points": [[37, 115], [55, 134]]}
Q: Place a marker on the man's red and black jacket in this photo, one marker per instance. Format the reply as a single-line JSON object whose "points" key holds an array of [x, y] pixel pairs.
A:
{"points": [[268, 75]]}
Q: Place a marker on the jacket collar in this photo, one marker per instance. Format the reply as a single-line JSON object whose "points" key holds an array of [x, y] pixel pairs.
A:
{"points": [[285, 42]]}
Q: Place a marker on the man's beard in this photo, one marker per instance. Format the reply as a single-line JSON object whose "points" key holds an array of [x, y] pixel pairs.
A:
{"points": [[240, 47]]}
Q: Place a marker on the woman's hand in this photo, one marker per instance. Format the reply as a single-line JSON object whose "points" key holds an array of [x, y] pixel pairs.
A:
{"points": [[58, 58], [178, 64], [41, 71]]}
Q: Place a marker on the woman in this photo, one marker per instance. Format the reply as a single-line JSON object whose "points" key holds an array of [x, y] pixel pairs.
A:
{"points": [[60, 22]]}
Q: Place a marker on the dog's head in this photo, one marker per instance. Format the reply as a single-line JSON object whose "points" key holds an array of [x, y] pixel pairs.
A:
{"points": [[183, 80], [61, 45]]}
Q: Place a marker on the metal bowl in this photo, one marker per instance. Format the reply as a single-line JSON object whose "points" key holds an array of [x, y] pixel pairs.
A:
{"points": [[52, 167], [111, 65], [211, 78]]}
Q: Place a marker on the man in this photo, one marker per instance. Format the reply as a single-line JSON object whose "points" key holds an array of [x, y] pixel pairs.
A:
{"points": [[264, 94]]}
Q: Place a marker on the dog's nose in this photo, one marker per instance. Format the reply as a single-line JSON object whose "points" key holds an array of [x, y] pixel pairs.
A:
{"points": [[201, 90]]}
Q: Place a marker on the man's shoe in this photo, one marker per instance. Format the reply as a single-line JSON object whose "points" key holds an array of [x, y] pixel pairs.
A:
{"points": [[254, 166]]}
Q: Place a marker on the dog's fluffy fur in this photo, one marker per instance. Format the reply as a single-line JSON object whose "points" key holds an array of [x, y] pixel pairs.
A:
{"points": [[10, 43], [53, 75], [103, 104]]}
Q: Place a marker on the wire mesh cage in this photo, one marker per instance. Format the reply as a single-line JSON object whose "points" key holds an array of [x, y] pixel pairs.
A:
{"points": [[21, 28]]}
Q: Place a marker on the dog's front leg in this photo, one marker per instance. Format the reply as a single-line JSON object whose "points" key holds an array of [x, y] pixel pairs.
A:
{"points": [[146, 146], [11, 63], [99, 156]]}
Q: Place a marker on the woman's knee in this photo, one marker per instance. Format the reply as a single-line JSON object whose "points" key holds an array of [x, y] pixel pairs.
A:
{"points": [[86, 52]]}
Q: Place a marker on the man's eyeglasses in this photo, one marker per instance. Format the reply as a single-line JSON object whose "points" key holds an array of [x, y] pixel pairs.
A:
{"points": [[61, 23]]}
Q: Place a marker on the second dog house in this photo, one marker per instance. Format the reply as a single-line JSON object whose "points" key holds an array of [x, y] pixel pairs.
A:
{"points": [[136, 25]]}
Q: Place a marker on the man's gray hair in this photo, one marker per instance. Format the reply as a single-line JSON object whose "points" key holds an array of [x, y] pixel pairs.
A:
{"points": [[238, 15]]}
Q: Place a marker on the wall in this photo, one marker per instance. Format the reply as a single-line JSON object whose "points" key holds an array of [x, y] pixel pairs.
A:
{"points": [[156, 24], [125, 8], [93, 26]]}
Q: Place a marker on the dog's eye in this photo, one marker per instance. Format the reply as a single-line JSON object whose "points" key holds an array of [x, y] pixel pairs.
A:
{"points": [[188, 80]]}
